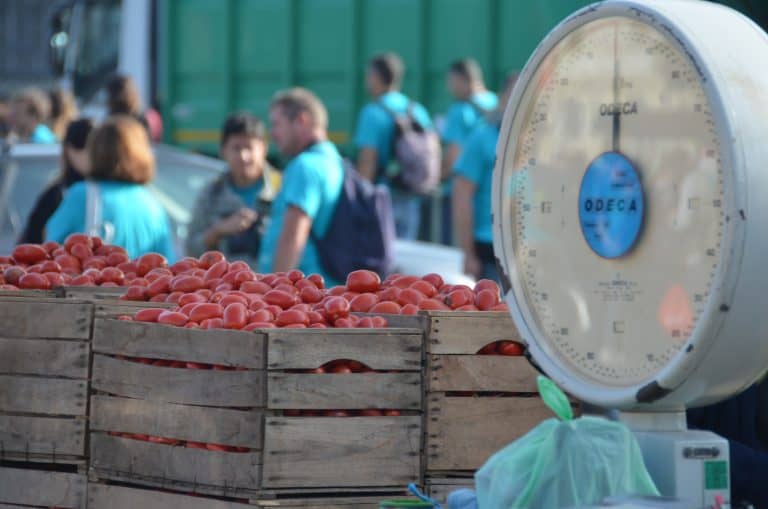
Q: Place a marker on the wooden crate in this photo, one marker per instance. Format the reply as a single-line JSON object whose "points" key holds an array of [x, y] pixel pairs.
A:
{"points": [[112, 308], [91, 293], [104, 496], [438, 488], [22, 487], [44, 361], [195, 405], [343, 452]]}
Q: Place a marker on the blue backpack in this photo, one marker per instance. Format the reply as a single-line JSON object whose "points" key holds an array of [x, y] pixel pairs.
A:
{"points": [[361, 234]]}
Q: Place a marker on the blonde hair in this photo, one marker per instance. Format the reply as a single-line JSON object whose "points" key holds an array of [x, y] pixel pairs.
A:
{"points": [[119, 149]]}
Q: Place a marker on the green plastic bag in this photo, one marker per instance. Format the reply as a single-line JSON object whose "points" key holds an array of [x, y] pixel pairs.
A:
{"points": [[564, 462]]}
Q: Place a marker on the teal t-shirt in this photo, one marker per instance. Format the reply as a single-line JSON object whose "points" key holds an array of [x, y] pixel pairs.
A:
{"points": [[248, 194], [376, 127], [464, 116], [134, 216], [476, 165], [42, 134], [312, 182]]}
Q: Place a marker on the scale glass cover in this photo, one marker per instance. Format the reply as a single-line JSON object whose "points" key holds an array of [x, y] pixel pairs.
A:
{"points": [[631, 204]]}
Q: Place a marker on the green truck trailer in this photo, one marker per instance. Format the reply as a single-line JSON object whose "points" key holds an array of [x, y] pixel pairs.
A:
{"points": [[197, 60]]}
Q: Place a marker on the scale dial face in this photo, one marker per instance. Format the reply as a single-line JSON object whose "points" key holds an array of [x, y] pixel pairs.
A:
{"points": [[613, 194]]}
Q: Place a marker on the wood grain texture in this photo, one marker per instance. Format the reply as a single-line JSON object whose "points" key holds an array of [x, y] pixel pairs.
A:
{"points": [[137, 339], [102, 496], [45, 357], [346, 451], [241, 428], [453, 332], [160, 464], [41, 488], [49, 396], [463, 432], [345, 391], [480, 373], [45, 318], [178, 385], [376, 348], [53, 436]]}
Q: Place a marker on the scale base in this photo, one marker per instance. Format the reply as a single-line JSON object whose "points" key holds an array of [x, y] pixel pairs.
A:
{"points": [[690, 465]]}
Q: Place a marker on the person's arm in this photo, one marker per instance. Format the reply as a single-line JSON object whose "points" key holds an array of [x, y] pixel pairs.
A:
{"points": [[69, 216], [293, 239], [367, 160], [464, 223], [46, 205]]}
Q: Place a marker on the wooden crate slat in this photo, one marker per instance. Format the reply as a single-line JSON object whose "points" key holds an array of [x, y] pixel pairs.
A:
{"points": [[113, 308], [50, 396], [55, 436], [463, 432], [44, 357], [91, 292], [453, 332], [240, 428], [49, 318], [42, 488], [480, 373], [345, 391], [177, 343], [396, 349], [133, 459], [101, 496], [346, 451], [351, 502], [178, 385]]}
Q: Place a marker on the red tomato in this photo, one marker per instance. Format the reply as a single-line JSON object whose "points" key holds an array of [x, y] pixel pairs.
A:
{"points": [[158, 286], [335, 308], [163, 440], [280, 298], [295, 326], [489, 349], [127, 267], [425, 288], [404, 281], [261, 315], [238, 266], [392, 293], [379, 322], [206, 311], [281, 280], [150, 261], [139, 281], [311, 294], [350, 295], [55, 279], [510, 348], [173, 297], [135, 293], [206, 293], [371, 412], [392, 413], [410, 296], [468, 307], [409, 309], [50, 266], [363, 302], [243, 276], [304, 283], [148, 314], [172, 318], [315, 317], [295, 275], [386, 307], [182, 267], [216, 270], [366, 323], [67, 261], [318, 280], [82, 280], [160, 297], [155, 274], [34, 282], [433, 305], [487, 284], [224, 287], [235, 316], [336, 413], [343, 323], [113, 275], [209, 258], [301, 306], [197, 365], [212, 323], [186, 284], [13, 274], [363, 281], [259, 287], [50, 246], [96, 242], [77, 238], [259, 325], [190, 298], [231, 299], [81, 251], [485, 300], [500, 307], [8, 287], [460, 297], [195, 445], [219, 447], [115, 259], [34, 269], [95, 262], [292, 316], [287, 289], [336, 291], [434, 279]]}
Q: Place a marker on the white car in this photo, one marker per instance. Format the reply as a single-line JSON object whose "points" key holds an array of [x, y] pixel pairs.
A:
{"points": [[25, 170]]}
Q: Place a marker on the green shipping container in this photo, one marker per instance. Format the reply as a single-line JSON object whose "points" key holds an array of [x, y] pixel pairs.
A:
{"points": [[218, 56]]}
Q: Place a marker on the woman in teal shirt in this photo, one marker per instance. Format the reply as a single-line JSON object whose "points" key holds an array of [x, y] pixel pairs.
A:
{"points": [[115, 203]]}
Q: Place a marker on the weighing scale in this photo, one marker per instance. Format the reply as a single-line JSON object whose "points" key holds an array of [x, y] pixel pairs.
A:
{"points": [[631, 220]]}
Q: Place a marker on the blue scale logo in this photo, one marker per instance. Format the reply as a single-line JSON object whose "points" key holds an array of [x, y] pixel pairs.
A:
{"points": [[611, 205]]}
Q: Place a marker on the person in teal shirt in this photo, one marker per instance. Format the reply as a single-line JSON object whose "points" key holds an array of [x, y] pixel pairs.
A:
{"points": [[232, 212], [375, 134], [311, 185], [29, 111], [472, 182], [473, 102], [115, 203]]}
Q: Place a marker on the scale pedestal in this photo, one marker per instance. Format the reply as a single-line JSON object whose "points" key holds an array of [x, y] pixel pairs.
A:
{"points": [[690, 465]]}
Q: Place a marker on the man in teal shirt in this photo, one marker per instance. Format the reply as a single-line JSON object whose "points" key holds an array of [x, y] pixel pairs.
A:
{"points": [[473, 176], [376, 132], [311, 184], [29, 112]]}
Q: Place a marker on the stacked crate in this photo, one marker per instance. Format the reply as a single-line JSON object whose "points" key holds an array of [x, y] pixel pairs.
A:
{"points": [[44, 372]]}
